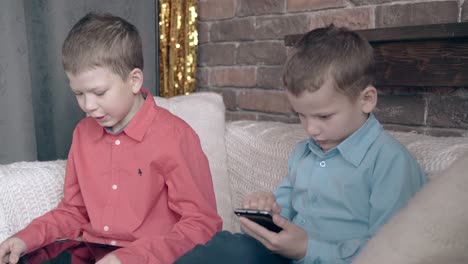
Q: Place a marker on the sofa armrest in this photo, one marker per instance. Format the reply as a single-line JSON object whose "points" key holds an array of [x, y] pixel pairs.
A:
{"points": [[28, 190], [432, 228]]}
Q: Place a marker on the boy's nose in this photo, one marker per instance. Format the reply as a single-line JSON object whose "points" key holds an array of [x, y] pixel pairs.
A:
{"points": [[89, 105], [312, 130]]}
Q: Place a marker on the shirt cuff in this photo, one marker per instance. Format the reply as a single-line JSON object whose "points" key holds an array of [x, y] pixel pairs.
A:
{"points": [[321, 251]]}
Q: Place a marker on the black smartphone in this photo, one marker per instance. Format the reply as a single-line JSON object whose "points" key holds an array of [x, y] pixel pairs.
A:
{"points": [[260, 217]]}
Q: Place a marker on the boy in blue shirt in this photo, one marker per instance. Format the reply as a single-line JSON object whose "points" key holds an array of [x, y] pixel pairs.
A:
{"points": [[344, 182]]}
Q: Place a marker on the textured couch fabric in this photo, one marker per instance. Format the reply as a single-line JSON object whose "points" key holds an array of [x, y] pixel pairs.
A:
{"points": [[432, 229], [28, 190], [248, 156]]}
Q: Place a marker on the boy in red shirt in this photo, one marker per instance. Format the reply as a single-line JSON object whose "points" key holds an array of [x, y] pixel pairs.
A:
{"points": [[136, 175]]}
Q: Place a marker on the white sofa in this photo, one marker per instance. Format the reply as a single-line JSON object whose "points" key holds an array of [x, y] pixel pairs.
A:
{"points": [[247, 156]]}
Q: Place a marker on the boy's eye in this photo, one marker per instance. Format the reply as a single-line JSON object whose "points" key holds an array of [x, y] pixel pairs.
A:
{"points": [[100, 93], [325, 117]]}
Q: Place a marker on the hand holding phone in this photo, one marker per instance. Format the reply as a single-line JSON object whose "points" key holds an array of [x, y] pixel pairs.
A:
{"points": [[261, 217]]}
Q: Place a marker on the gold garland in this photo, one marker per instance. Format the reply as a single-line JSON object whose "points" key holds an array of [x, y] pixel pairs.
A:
{"points": [[178, 39]]}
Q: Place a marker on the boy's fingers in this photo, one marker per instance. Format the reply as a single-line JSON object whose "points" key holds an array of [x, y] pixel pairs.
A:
{"points": [[13, 259], [5, 259], [281, 222], [4, 255], [15, 253]]}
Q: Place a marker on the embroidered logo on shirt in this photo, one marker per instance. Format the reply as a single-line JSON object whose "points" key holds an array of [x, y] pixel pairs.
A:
{"points": [[140, 172]]}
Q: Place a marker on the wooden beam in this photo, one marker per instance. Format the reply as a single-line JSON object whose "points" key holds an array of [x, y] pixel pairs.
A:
{"points": [[418, 56], [433, 31], [442, 62]]}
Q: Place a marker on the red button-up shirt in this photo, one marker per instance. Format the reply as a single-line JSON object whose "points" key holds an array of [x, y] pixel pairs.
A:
{"points": [[147, 189]]}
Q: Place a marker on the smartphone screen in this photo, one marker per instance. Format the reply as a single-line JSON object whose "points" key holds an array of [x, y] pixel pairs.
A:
{"points": [[260, 217]]}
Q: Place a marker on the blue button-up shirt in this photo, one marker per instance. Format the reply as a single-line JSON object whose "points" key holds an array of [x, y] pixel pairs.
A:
{"points": [[343, 196]]}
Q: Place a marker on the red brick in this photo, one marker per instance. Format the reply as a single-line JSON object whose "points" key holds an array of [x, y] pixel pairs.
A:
{"points": [[233, 77], [203, 32], [448, 111], [431, 131], [236, 115], [371, 2], [279, 26], [216, 9], [464, 15], [229, 96], [303, 5], [272, 101], [260, 7], [353, 18], [410, 91], [292, 119], [270, 77], [405, 110], [416, 14], [216, 54], [203, 76], [445, 132], [261, 53], [234, 29]]}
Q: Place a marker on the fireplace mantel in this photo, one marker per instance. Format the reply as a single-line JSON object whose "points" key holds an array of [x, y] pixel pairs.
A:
{"points": [[418, 56]]}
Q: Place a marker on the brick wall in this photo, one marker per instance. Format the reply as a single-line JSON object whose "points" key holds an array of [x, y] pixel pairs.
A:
{"points": [[241, 52]]}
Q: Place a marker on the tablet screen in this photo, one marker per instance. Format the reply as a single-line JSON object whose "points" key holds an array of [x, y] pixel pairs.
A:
{"points": [[67, 251]]}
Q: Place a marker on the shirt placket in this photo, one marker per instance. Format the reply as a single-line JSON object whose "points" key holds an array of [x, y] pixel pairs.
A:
{"points": [[113, 187]]}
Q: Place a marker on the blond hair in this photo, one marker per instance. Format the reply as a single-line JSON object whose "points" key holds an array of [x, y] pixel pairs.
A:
{"points": [[102, 40], [331, 53]]}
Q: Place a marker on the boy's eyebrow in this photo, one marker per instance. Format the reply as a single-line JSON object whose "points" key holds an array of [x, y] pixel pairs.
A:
{"points": [[315, 114], [90, 90]]}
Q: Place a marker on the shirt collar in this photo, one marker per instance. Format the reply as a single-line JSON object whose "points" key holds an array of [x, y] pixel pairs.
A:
{"points": [[354, 148], [139, 124]]}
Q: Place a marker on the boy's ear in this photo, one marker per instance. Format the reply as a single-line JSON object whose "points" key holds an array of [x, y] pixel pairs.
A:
{"points": [[136, 80], [368, 99]]}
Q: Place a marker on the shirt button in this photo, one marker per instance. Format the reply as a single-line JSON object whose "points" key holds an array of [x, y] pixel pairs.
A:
{"points": [[114, 187], [106, 228], [113, 242], [313, 197], [303, 221], [117, 142], [323, 164]]}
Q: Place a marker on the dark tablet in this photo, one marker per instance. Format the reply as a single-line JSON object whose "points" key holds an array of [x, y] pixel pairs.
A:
{"points": [[67, 252]]}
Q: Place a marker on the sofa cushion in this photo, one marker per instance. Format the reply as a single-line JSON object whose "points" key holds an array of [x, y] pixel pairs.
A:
{"points": [[28, 190], [434, 154], [432, 228], [204, 112]]}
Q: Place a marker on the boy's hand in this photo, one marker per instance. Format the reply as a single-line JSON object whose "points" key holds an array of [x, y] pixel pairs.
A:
{"points": [[262, 201], [11, 250], [291, 242], [109, 259]]}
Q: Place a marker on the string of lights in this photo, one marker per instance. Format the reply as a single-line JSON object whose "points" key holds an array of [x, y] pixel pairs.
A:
{"points": [[178, 39]]}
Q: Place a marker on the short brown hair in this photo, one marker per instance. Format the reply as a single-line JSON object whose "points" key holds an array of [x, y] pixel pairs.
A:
{"points": [[102, 40], [331, 53]]}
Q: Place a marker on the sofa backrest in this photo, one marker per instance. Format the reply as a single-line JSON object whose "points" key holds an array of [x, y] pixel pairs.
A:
{"points": [[257, 154], [244, 156], [204, 112]]}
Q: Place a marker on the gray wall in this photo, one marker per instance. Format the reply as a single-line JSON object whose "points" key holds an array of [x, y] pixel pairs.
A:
{"points": [[37, 109]]}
